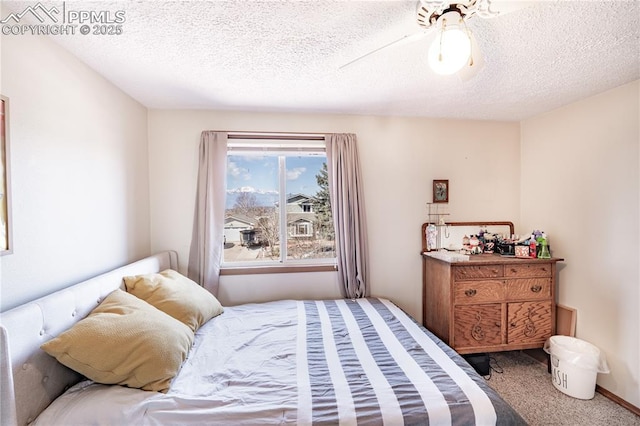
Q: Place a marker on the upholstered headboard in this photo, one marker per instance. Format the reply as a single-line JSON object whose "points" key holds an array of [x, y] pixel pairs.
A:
{"points": [[29, 378]]}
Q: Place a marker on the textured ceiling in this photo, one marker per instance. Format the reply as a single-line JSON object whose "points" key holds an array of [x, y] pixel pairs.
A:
{"points": [[286, 56]]}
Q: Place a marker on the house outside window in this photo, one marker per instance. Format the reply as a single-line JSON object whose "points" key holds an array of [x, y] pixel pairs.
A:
{"points": [[277, 207]]}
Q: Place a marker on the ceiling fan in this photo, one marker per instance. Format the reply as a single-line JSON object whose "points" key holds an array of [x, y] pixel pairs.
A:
{"points": [[454, 49]]}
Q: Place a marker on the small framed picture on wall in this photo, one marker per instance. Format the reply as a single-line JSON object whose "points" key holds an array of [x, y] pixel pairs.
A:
{"points": [[441, 191]]}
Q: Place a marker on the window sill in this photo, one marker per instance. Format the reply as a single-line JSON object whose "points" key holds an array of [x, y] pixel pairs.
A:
{"points": [[280, 269]]}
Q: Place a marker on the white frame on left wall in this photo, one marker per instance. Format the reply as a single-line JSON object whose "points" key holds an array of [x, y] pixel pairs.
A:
{"points": [[6, 242]]}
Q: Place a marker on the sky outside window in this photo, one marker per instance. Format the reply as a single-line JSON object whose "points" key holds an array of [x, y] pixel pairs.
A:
{"points": [[259, 175]]}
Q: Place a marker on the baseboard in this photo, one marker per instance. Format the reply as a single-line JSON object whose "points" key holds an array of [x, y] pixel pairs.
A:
{"points": [[615, 398], [541, 356]]}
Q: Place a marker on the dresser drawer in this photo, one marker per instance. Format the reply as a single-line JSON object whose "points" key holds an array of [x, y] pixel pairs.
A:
{"points": [[528, 270], [528, 322], [467, 272], [528, 288], [477, 325], [470, 292]]}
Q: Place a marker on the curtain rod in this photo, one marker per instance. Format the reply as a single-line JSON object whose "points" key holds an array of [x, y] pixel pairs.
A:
{"points": [[276, 136]]}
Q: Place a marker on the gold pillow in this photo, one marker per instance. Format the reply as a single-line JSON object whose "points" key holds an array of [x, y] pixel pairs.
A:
{"points": [[124, 341], [176, 295]]}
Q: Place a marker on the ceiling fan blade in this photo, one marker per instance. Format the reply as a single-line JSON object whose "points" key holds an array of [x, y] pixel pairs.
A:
{"points": [[469, 71], [403, 40]]}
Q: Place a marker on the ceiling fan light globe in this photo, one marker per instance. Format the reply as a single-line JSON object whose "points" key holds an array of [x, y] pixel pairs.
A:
{"points": [[450, 51]]}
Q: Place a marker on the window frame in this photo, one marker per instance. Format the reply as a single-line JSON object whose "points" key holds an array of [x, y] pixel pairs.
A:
{"points": [[280, 146]]}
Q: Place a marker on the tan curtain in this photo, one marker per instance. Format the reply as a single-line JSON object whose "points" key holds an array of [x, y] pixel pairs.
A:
{"points": [[205, 255], [347, 207]]}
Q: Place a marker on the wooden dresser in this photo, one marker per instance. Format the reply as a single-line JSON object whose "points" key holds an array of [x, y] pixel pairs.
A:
{"points": [[490, 303]]}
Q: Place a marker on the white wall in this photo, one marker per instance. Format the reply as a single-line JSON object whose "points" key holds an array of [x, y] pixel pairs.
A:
{"points": [[581, 184], [400, 158], [79, 167]]}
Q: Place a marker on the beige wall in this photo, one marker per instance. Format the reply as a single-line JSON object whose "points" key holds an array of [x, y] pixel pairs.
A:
{"points": [[581, 184], [400, 157], [79, 171]]}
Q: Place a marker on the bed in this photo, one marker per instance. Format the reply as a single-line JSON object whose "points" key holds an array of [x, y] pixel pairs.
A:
{"points": [[360, 361]]}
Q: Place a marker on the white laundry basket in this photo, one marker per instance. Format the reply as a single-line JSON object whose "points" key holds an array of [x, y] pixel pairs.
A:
{"points": [[575, 365]]}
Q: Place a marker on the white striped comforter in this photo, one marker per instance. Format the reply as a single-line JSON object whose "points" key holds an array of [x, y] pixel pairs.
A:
{"points": [[341, 362]]}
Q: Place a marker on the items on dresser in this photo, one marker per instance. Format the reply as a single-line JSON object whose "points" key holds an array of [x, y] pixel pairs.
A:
{"points": [[437, 234]]}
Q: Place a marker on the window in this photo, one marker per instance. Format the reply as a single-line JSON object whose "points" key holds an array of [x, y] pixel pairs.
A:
{"points": [[301, 230], [277, 207]]}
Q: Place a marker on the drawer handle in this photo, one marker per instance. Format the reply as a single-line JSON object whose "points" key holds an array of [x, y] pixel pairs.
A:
{"points": [[470, 293], [514, 270], [513, 325], [536, 288]]}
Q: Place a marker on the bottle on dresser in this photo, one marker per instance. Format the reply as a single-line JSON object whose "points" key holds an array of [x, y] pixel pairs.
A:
{"points": [[532, 246]]}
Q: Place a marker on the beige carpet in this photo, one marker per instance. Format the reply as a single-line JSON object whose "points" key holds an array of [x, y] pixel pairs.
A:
{"points": [[526, 385]]}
